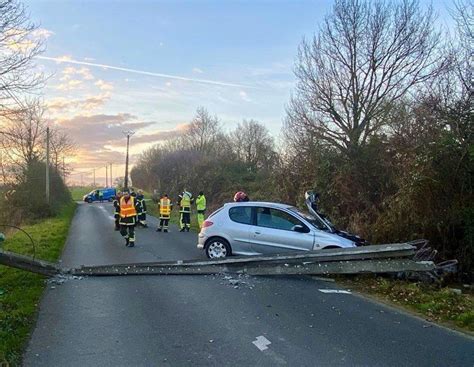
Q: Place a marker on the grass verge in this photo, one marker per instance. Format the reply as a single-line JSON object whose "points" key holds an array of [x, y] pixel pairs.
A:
{"points": [[78, 193], [20, 291], [440, 305], [152, 209]]}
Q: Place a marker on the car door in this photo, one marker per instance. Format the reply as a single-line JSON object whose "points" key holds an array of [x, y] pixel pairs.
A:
{"points": [[239, 229], [275, 232]]}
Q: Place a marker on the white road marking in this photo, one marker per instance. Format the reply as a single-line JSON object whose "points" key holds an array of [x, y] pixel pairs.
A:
{"points": [[334, 291], [111, 217], [261, 343]]}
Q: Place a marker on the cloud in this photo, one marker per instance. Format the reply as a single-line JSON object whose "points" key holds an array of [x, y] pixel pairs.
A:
{"points": [[197, 71], [244, 96], [90, 103], [160, 135], [22, 40], [104, 85], [142, 72], [70, 85], [70, 71], [93, 132], [42, 33]]}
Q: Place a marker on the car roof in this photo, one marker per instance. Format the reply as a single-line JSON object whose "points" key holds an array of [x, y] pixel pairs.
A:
{"points": [[260, 203]]}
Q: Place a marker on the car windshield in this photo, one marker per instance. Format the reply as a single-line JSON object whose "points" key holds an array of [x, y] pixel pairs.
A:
{"points": [[318, 223]]}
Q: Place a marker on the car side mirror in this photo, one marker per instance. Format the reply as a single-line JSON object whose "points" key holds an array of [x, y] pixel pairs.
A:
{"points": [[299, 228]]}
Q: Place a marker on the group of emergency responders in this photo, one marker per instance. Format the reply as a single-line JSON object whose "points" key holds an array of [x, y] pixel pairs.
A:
{"points": [[130, 211]]}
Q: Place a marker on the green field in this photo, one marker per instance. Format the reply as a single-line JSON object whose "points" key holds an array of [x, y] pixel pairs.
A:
{"points": [[20, 291], [78, 192]]}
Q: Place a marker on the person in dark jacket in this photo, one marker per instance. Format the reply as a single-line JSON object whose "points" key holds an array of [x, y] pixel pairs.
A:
{"points": [[117, 210], [142, 213]]}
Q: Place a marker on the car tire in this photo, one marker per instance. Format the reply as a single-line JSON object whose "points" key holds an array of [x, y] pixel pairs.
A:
{"points": [[111, 199], [89, 200], [217, 248]]}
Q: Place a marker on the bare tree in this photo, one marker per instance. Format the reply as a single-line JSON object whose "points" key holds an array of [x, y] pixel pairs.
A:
{"points": [[365, 56], [203, 132], [61, 146], [463, 15], [22, 138], [19, 44], [253, 144]]}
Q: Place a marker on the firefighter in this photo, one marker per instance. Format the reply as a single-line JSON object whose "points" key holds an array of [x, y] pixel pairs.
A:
{"points": [[201, 208], [185, 200], [101, 195], [117, 210], [129, 208], [165, 213], [142, 214]]}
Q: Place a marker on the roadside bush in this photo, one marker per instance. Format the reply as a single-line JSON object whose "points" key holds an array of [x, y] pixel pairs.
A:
{"points": [[28, 196]]}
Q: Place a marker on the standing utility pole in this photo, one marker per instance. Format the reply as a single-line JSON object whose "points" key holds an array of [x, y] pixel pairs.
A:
{"points": [[106, 176], [128, 134], [94, 176], [47, 165], [111, 182]]}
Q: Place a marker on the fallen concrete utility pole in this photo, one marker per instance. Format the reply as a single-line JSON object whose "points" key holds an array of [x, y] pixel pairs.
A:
{"points": [[29, 264], [390, 258], [368, 259], [316, 268]]}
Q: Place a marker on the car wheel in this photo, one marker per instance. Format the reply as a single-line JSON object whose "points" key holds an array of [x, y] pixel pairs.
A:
{"points": [[89, 200], [111, 199], [217, 248]]}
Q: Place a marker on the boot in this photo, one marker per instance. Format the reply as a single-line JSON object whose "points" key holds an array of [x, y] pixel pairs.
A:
{"points": [[187, 229], [132, 244], [165, 230], [159, 230], [127, 242], [182, 230]]}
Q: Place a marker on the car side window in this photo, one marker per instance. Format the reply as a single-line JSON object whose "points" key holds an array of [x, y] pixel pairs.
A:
{"points": [[274, 218], [241, 214]]}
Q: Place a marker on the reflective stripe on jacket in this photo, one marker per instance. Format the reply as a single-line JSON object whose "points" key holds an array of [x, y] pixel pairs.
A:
{"points": [[127, 209], [185, 202], [165, 207]]}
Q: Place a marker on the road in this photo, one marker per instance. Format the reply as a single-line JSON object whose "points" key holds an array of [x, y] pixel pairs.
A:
{"points": [[215, 320]]}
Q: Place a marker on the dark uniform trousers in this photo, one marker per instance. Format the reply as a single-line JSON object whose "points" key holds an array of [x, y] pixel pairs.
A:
{"points": [[127, 228]]}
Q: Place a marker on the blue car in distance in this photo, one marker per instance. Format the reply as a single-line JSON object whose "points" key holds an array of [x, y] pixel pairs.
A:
{"points": [[108, 194]]}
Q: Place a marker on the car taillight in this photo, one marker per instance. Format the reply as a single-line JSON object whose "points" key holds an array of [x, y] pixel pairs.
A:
{"points": [[207, 223]]}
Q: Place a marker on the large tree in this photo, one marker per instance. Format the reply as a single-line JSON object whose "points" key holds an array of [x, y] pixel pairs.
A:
{"points": [[365, 56], [19, 44]]}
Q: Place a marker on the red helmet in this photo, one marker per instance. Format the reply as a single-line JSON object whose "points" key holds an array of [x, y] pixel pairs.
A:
{"points": [[240, 196]]}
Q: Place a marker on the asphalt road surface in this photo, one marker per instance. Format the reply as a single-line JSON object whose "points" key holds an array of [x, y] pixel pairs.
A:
{"points": [[216, 320]]}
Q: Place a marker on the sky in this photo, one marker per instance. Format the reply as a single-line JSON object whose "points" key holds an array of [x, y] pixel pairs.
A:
{"points": [[148, 65]]}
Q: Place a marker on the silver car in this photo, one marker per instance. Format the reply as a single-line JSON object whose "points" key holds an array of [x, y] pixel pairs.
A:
{"points": [[256, 228]]}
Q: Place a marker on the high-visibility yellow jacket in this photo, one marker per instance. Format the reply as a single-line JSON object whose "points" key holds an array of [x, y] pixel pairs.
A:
{"points": [[165, 208], [185, 202], [201, 203]]}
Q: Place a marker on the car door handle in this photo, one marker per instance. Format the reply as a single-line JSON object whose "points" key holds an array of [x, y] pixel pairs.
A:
{"points": [[256, 232]]}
